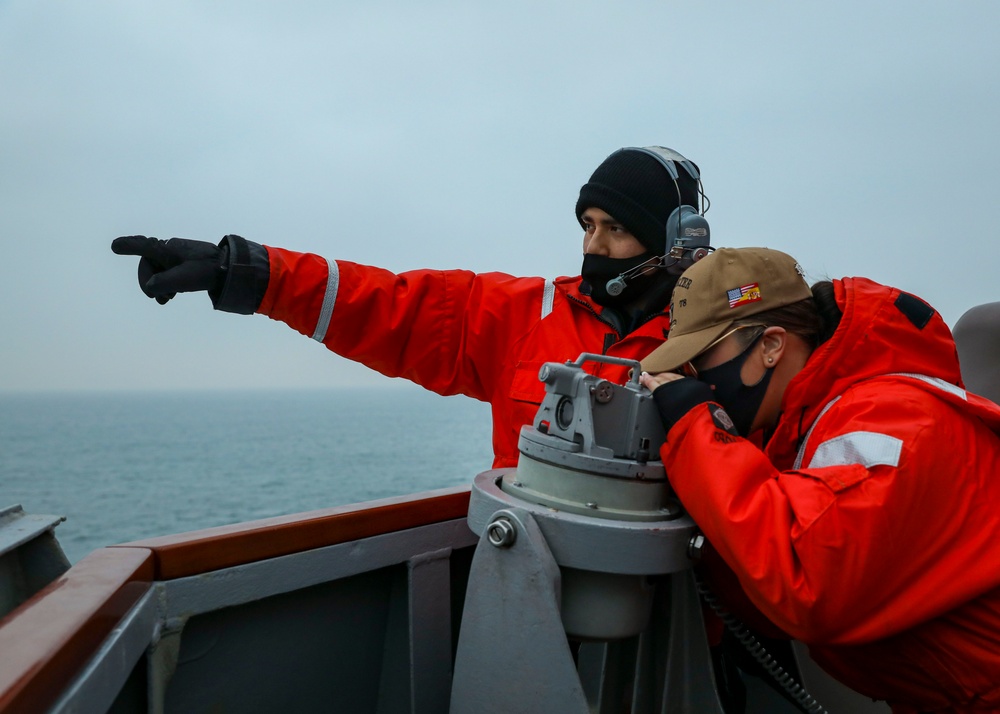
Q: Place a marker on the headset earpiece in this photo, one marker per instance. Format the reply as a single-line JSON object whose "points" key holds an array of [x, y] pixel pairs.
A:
{"points": [[689, 238], [687, 232]]}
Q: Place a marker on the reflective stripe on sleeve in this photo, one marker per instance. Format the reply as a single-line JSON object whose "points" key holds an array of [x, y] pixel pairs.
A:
{"points": [[933, 381], [548, 298], [939, 383], [329, 299], [866, 448], [802, 446]]}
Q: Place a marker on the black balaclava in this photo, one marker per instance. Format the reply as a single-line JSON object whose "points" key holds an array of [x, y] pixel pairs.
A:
{"points": [[636, 190]]}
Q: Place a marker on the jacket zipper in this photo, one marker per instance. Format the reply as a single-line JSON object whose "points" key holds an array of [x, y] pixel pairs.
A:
{"points": [[607, 344]]}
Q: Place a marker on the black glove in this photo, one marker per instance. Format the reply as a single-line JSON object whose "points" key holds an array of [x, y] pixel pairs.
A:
{"points": [[168, 267], [675, 399]]}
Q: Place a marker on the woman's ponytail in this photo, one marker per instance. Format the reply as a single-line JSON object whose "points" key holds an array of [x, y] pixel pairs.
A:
{"points": [[826, 306]]}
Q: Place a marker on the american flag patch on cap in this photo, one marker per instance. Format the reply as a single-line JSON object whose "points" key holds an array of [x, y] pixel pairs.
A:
{"points": [[743, 295]]}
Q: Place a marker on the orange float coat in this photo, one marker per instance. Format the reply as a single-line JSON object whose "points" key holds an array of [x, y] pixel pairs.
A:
{"points": [[453, 332], [869, 527]]}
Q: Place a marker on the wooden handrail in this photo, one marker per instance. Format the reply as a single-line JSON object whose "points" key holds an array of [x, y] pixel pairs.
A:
{"points": [[185, 554], [46, 640]]}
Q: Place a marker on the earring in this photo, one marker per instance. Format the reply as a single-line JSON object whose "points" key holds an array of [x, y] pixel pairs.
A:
{"points": [[770, 360]]}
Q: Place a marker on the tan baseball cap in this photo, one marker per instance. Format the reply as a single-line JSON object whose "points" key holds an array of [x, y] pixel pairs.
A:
{"points": [[725, 286]]}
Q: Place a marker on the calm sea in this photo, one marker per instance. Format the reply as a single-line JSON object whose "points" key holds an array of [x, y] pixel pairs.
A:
{"points": [[122, 466]]}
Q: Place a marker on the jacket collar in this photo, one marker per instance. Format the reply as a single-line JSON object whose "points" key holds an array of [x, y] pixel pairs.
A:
{"points": [[656, 324]]}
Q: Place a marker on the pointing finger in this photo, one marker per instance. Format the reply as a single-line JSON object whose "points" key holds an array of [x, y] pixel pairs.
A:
{"points": [[134, 245]]}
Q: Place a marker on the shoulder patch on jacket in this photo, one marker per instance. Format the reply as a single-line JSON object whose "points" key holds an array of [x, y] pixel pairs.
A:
{"points": [[916, 310], [721, 419]]}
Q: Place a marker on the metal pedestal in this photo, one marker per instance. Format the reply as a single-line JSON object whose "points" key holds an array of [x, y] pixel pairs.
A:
{"points": [[513, 651]]}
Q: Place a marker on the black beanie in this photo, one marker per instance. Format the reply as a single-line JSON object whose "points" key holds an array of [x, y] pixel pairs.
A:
{"points": [[636, 190]]}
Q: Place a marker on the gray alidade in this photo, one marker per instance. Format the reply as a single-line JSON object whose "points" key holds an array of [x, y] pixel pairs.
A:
{"points": [[593, 447], [589, 476]]}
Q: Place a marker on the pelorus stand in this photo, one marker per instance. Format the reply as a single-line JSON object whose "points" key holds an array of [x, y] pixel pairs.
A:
{"points": [[581, 597]]}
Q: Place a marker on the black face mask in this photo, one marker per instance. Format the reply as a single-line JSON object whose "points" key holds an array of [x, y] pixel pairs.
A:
{"points": [[598, 270], [740, 401]]}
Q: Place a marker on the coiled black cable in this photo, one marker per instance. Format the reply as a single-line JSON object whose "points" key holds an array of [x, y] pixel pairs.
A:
{"points": [[802, 698]]}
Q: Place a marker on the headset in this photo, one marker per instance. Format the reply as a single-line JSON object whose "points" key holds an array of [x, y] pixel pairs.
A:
{"points": [[687, 233]]}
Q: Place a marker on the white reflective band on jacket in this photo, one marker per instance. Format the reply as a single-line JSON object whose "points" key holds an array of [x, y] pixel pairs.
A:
{"points": [[333, 284], [329, 300], [866, 448], [548, 298]]}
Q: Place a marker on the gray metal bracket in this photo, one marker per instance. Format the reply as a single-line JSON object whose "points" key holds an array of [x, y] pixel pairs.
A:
{"points": [[689, 685], [513, 654], [30, 555]]}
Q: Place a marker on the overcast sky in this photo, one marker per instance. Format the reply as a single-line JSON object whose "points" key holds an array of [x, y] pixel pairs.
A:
{"points": [[860, 137]]}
